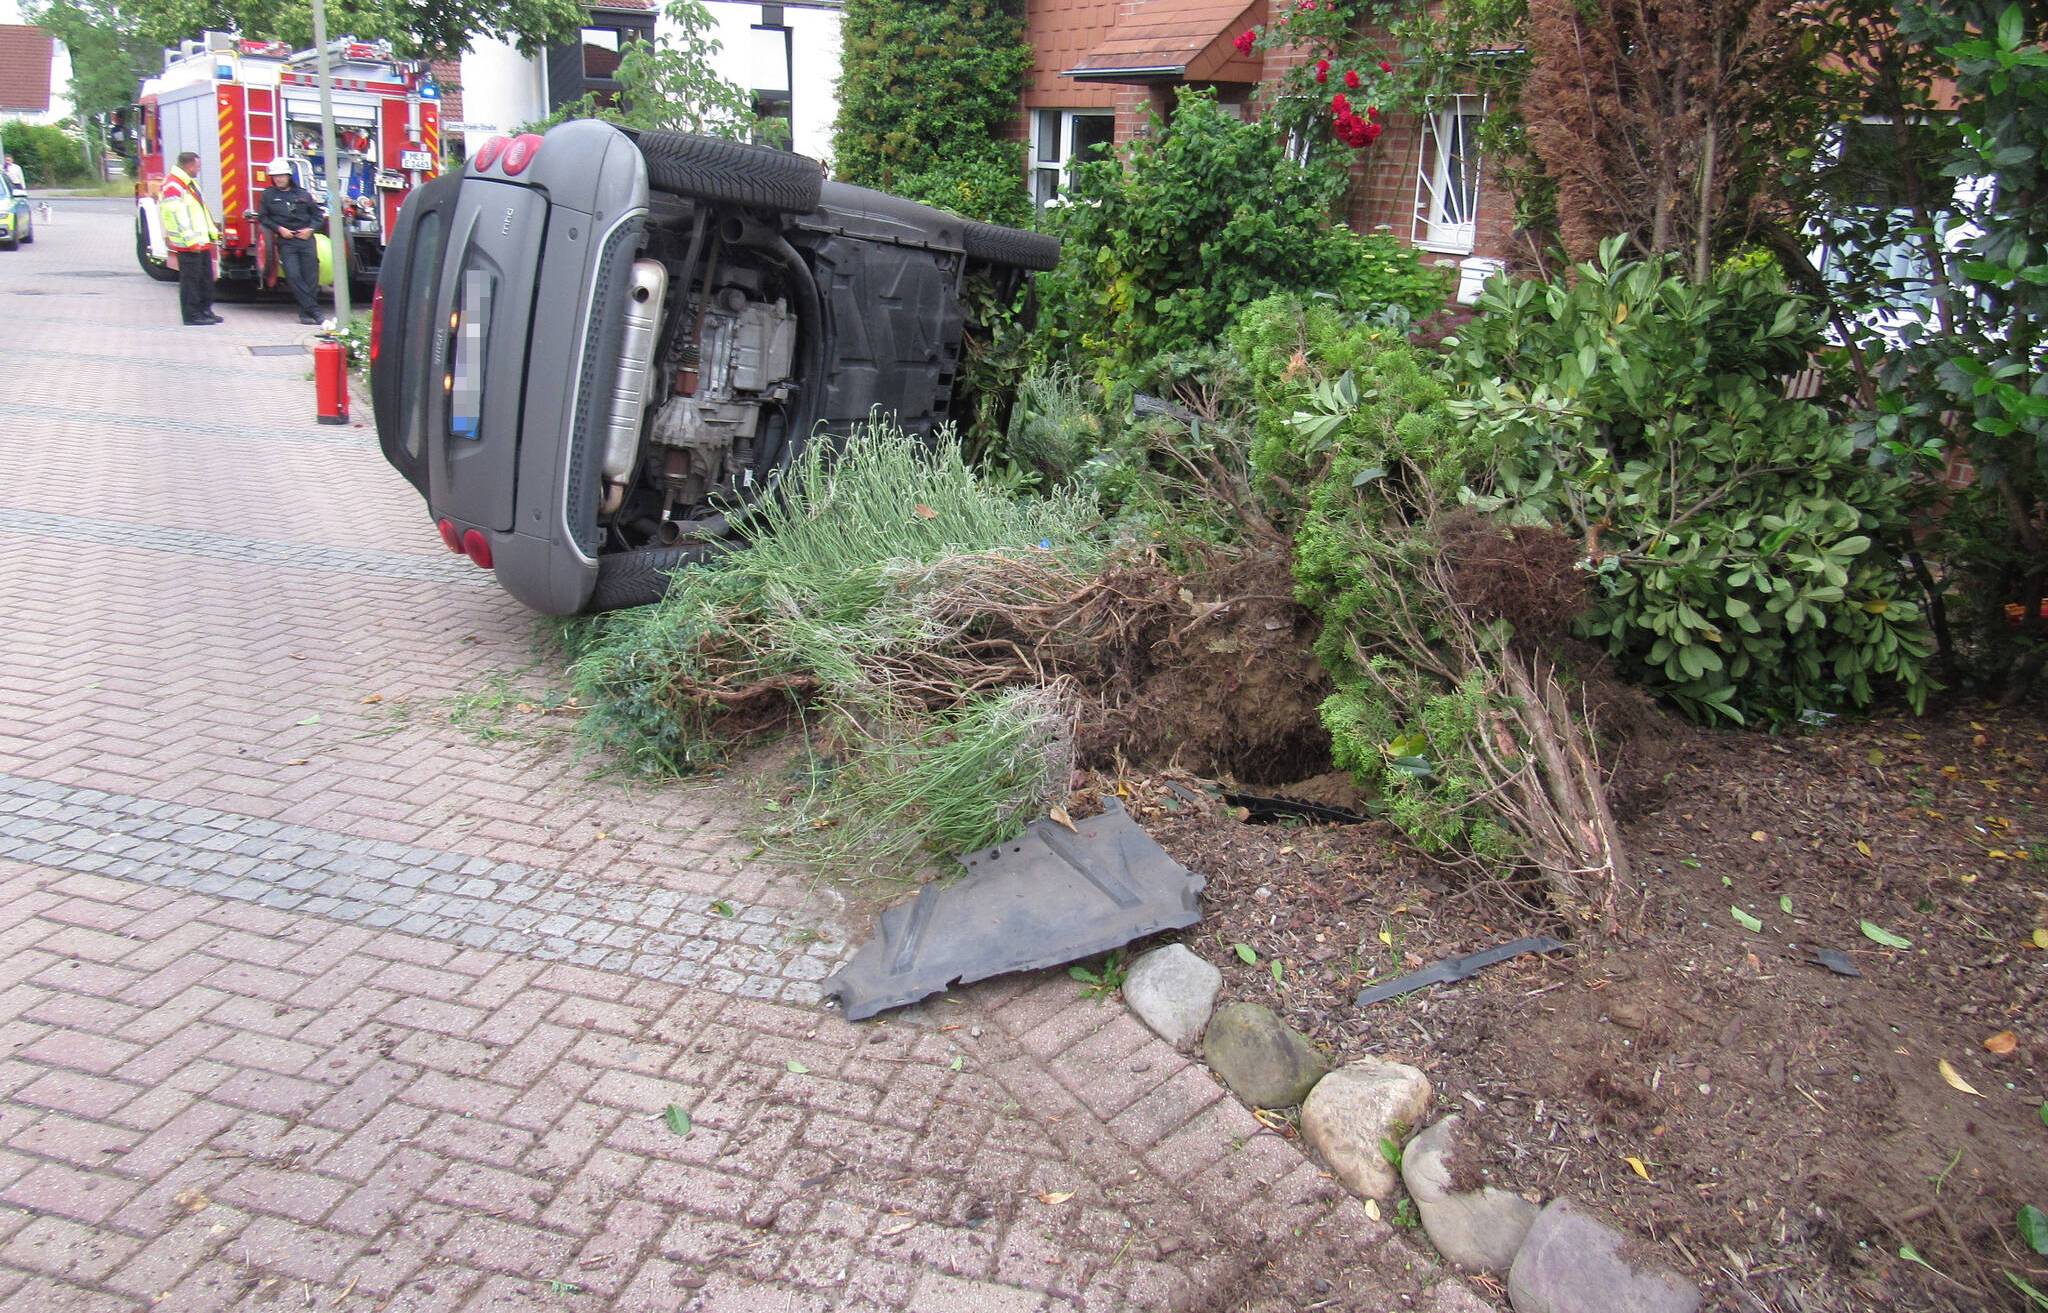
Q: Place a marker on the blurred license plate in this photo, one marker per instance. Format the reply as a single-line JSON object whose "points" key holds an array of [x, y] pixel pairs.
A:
{"points": [[415, 159]]}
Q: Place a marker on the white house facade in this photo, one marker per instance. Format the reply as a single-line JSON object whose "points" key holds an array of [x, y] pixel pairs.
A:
{"points": [[787, 55]]}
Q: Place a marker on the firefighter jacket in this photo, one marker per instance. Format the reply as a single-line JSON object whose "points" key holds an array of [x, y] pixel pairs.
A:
{"points": [[288, 209], [187, 225]]}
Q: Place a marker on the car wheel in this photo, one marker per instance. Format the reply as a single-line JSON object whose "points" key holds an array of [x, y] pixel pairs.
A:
{"points": [[636, 578], [161, 273], [28, 236], [1013, 248], [735, 172]]}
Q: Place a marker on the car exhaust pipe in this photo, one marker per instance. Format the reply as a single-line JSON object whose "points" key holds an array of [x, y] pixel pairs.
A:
{"points": [[645, 293]]}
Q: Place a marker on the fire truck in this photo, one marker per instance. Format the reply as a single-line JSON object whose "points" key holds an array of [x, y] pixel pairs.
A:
{"points": [[238, 104]]}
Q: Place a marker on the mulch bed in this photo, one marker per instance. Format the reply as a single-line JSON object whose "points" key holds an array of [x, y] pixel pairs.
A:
{"points": [[1794, 1127]]}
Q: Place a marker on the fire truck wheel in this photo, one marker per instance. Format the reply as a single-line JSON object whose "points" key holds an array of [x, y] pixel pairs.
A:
{"points": [[639, 577], [162, 273], [735, 172]]}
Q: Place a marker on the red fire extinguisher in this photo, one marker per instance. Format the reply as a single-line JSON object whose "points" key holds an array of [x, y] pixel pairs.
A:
{"points": [[330, 381]]}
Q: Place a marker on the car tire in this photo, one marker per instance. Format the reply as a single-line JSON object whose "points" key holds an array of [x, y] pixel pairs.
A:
{"points": [[639, 577], [29, 238], [162, 273], [734, 172], [1012, 248]]}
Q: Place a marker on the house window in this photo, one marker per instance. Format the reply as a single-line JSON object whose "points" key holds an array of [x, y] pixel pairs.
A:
{"points": [[1447, 180], [1062, 138], [602, 47], [1865, 170]]}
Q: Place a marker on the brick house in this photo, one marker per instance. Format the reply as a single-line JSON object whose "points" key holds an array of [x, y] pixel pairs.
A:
{"points": [[1104, 67], [35, 76]]}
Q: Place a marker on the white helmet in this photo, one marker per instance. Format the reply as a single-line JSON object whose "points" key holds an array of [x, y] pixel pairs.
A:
{"points": [[279, 165]]}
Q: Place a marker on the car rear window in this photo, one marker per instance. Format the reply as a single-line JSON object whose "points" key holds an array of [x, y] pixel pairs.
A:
{"points": [[421, 285]]}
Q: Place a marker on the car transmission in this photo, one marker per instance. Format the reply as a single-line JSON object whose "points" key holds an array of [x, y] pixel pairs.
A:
{"points": [[706, 432]]}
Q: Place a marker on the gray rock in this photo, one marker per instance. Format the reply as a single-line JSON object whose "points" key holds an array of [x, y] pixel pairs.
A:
{"points": [[1477, 1229], [1262, 1061], [1173, 991], [1355, 1107], [1570, 1263]]}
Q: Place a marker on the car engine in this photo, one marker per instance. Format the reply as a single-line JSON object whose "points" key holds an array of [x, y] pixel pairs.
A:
{"points": [[706, 431], [704, 385]]}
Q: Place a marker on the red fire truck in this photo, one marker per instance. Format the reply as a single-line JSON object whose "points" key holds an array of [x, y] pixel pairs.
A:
{"points": [[239, 104]]}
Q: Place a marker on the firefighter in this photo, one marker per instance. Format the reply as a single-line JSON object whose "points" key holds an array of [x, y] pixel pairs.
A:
{"points": [[289, 212], [191, 235]]}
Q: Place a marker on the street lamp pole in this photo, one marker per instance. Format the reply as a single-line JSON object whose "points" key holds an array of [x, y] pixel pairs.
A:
{"points": [[337, 187]]}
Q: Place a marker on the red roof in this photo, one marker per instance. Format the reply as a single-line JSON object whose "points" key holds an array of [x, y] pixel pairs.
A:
{"points": [[1188, 40], [25, 55], [448, 77]]}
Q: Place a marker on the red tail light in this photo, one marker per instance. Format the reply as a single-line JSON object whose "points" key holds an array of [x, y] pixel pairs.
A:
{"points": [[449, 535], [478, 547], [525, 148], [376, 324], [488, 156]]}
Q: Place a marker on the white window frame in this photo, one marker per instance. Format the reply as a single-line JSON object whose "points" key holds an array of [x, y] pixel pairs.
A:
{"points": [[1908, 259], [1448, 131], [1052, 161]]}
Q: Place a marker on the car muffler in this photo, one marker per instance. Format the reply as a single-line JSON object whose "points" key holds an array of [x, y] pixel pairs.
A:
{"points": [[645, 292]]}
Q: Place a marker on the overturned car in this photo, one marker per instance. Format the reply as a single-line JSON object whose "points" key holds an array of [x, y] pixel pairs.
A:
{"points": [[590, 349]]}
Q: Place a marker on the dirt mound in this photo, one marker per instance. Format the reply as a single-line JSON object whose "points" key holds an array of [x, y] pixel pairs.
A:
{"points": [[1795, 1126], [1222, 683]]}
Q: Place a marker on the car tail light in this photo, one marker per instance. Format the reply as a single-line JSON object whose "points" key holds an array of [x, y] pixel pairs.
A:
{"points": [[488, 156], [449, 535], [525, 148], [478, 547], [376, 324]]}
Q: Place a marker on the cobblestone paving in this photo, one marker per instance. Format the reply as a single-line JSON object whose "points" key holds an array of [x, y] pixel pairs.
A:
{"points": [[310, 999]]}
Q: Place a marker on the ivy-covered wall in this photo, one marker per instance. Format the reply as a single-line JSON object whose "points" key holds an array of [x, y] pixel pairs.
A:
{"points": [[928, 98]]}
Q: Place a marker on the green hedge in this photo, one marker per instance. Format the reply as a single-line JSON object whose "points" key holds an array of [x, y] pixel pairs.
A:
{"points": [[49, 156]]}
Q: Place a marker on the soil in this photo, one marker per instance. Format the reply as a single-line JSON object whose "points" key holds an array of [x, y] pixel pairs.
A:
{"points": [[1224, 681], [1794, 1126]]}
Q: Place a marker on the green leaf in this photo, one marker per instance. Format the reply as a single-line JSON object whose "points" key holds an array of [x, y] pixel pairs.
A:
{"points": [[1276, 971], [1877, 934], [2034, 1296], [1785, 904], [956, 1064], [1245, 954], [1368, 475], [723, 908], [678, 1120], [1084, 975], [2012, 28], [2033, 1225], [796, 1068], [1745, 920], [1912, 1255], [313, 719]]}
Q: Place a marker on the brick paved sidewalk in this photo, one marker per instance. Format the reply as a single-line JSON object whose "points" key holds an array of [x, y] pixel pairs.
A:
{"points": [[310, 1000]]}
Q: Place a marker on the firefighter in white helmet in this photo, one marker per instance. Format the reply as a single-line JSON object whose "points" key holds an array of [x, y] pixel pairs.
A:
{"points": [[292, 217]]}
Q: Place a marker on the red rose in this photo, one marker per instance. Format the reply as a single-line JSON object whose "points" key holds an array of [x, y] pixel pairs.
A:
{"points": [[1322, 70], [1306, 4], [1372, 112], [1339, 105], [1245, 40], [1351, 78], [1371, 133], [1385, 67]]}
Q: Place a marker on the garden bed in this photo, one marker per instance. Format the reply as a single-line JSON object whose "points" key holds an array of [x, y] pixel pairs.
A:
{"points": [[1794, 1126]]}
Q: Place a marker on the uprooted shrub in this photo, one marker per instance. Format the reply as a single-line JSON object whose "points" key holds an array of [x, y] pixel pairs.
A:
{"points": [[1746, 550], [917, 621], [1438, 632]]}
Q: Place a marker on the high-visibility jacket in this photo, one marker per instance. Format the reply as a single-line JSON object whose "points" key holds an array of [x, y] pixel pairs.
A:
{"points": [[187, 225]]}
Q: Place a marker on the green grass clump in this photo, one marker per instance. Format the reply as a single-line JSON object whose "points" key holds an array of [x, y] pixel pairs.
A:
{"points": [[823, 608]]}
